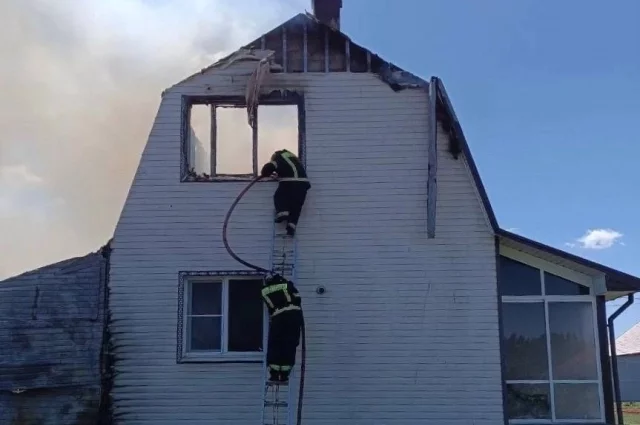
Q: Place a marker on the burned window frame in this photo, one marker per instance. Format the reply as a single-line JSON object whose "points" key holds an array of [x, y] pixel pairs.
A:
{"points": [[276, 97]]}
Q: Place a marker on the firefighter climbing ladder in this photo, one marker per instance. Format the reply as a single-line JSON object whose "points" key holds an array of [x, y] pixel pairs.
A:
{"points": [[277, 406], [278, 398]]}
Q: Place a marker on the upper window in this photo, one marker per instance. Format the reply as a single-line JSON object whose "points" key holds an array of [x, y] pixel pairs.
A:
{"points": [[221, 317], [218, 144], [550, 350]]}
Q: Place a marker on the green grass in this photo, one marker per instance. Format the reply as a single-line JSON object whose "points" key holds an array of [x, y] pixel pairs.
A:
{"points": [[631, 413]]}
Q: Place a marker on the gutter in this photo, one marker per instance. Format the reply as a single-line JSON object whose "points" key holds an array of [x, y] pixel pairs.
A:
{"points": [[614, 357]]}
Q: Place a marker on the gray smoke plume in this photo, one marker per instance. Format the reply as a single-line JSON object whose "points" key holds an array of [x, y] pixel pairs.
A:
{"points": [[80, 83]]}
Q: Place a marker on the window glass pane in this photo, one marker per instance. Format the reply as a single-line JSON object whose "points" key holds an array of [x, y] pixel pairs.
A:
{"points": [[245, 315], [277, 129], [200, 139], [524, 340], [206, 298], [528, 401], [556, 285], [204, 333], [234, 141], [577, 401], [517, 278], [573, 346]]}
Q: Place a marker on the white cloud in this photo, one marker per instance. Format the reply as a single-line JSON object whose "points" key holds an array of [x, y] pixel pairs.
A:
{"points": [[17, 175], [597, 239], [81, 83]]}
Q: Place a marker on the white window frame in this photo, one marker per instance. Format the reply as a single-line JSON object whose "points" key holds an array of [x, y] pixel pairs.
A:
{"points": [[577, 278], [223, 355]]}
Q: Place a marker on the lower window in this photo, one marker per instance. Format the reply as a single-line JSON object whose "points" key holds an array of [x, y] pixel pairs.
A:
{"points": [[221, 317], [551, 361]]}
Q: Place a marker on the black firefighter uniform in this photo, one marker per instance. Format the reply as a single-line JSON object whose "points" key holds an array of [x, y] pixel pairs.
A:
{"points": [[292, 189], [285, 321]]}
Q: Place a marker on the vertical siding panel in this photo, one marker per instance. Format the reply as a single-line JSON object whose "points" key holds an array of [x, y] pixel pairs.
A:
{"points": [[389, 342]]}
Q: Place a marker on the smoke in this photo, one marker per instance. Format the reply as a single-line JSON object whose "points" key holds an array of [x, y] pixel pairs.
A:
{"points": [[80, 83]]}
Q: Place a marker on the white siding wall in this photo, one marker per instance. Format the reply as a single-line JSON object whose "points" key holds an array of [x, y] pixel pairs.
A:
{"points": [[629, 373], [407, 331]]}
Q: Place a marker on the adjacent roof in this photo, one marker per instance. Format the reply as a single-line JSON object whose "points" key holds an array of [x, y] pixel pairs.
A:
{"points": [[616, 280], [629, 342], [51, 325]]}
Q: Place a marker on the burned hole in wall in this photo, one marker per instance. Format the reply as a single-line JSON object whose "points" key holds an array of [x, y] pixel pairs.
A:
{"points": [[233, 142], [222, 144], [200, 139], [277, 129]]}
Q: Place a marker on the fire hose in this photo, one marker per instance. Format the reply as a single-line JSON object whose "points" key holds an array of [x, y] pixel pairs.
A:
{"points": [[267, 272]]}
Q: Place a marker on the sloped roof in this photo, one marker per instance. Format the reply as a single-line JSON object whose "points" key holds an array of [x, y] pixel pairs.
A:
{"points": [[629, 342], [51, 325], [396, 77]]}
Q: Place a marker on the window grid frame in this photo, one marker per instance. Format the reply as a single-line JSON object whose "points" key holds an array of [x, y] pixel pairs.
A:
{"points": [[183, 353], [545, 300]]}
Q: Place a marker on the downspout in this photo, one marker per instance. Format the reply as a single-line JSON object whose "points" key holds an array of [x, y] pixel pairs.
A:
{"points": [[614, 358]]}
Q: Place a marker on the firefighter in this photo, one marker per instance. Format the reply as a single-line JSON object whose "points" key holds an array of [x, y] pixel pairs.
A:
{"points": [[292, 189], [285, 321]]}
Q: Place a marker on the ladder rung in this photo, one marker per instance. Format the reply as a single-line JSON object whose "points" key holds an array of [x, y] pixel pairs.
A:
{"points": [[276, 384], [276, 407], [276, 403]]}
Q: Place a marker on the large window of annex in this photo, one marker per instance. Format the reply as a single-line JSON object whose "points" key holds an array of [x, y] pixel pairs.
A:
{"points": [[550, 344], [219, 144]]}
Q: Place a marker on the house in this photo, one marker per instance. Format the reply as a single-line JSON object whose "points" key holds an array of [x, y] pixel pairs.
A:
{"points": [[431, 313], [628, 356], [419, 308], [52, 323]]}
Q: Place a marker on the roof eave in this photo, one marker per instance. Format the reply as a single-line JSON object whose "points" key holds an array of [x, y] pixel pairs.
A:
{"points": [[458, 139], [618, 283]]}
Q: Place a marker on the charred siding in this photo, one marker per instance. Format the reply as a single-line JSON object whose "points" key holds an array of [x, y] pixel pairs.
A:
{"points": [[51, 331], [305, 45]]}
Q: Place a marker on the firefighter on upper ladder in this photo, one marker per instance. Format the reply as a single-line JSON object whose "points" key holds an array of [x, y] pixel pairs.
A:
{"points": [[285, 323], [292, 189]]}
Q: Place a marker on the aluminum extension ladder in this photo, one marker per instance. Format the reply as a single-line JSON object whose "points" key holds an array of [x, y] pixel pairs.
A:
{"points": [[278, 398]]}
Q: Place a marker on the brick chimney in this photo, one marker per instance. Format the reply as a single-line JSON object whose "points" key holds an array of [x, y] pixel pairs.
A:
{"points": [[328, 12]]}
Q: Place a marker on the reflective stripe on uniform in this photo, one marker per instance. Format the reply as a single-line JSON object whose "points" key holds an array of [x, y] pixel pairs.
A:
{"points": [[274, 288], [282, 214], [275, 164], [293, 226], [287, 308], [287, 157], [283, 368], [293, 179], [268, 301], [287, 295]]}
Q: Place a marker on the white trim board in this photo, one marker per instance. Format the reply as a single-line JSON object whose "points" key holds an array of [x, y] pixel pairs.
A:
{"points": [[548, 266]]}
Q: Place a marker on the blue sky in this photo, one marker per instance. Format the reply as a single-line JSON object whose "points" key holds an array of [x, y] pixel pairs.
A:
{"points": [[547, 96]]}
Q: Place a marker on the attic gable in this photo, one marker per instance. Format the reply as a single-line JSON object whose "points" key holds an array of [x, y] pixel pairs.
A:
{"points": [[304, 44]]}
